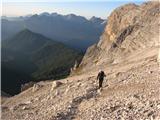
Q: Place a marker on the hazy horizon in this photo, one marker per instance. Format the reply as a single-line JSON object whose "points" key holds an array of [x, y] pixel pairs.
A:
{"points": [[87, 9]]}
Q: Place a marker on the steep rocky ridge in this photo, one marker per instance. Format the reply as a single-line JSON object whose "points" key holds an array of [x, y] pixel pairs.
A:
{"points": [[130, 29]]}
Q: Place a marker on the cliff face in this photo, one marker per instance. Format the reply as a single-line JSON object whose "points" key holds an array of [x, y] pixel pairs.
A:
{"points": [[130, 29]]}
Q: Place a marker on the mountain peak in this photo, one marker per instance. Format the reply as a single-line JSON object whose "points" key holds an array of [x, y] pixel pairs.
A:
{"points": [[25, 31], [45, 14], [54, 14], [75, 17], [96, 19], [120, 38]]}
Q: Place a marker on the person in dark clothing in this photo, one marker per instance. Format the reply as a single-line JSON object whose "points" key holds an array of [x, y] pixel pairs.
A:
{"points": [[100, 77]]}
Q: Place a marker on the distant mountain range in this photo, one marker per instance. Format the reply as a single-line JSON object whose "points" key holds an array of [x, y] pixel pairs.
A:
{"points": [[72, 30], [30, 56]]}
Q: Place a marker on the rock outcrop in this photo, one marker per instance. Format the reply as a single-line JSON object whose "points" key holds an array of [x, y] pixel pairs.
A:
{"points": [[130, 29], [55, 84], [27, 86]]}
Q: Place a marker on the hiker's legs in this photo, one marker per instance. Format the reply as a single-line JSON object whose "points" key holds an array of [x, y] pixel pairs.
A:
{"points": [[100, 83]]}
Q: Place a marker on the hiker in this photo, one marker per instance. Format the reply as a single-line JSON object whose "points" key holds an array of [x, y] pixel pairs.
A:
{"points": [[100, 77]]}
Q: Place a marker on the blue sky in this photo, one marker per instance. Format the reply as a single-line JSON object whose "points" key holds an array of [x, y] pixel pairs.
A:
{"points": [[87, 8]]}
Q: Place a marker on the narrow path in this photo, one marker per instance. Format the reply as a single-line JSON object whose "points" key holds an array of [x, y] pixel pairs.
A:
{"points": [[72, 109]]}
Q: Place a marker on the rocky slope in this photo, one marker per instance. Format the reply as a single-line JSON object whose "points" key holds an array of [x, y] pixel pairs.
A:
{"points": [[130, 29], [130, 92]]}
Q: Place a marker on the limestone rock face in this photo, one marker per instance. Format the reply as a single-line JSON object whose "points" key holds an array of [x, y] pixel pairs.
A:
{"points": [[130, 29]]}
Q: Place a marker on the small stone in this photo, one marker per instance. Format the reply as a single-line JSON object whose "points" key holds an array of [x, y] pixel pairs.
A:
{"points": [[4, 108], [150, 72], [102, 118], [67, 89], [79, 84], [150, 113], [35, 87], [55, 84], [36, 99], [25, 108], [158, 106], [28, 102], [12, 108], [48, 97], [136, 96], [57, 93]]}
